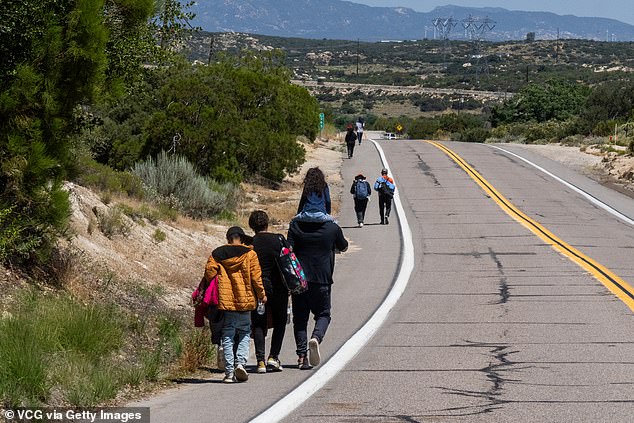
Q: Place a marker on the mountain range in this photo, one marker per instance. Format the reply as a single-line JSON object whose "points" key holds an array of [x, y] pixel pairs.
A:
{"points": [[338, 19]]}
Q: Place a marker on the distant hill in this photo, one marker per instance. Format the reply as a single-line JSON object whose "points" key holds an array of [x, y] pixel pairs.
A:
{"points": [[337, 19]]}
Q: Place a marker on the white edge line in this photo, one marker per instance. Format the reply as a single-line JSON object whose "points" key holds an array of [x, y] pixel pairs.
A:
{"points": [[337, 362], [590, 197]]}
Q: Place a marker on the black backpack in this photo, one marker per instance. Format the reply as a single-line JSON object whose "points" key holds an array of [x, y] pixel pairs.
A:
{"points": [[385, 190]]}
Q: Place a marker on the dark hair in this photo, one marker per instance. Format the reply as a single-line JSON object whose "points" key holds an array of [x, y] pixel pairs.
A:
{"points": [[315, 181], [258, 221]]}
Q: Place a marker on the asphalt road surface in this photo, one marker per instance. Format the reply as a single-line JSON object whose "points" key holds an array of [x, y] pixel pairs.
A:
{"points": [[495, 324]]}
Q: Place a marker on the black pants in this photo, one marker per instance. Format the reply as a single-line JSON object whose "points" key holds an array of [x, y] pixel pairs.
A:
{"points": [[350, 149], [359, 208], [360, 137], [385, 206], [276, 305], [317, 301]]}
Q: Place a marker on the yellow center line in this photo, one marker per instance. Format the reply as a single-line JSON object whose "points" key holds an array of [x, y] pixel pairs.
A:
{"points": [[609, 279]]}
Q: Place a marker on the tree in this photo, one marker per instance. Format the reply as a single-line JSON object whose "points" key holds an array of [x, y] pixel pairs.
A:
{"points": [[233, 120], [608, 102], [57, 58], [554, 100]]}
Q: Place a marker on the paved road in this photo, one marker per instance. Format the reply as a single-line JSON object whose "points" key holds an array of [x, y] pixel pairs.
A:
{"points": [[495, 325]]}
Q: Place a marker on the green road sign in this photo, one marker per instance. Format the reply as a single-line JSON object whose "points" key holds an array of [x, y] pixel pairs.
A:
{"points": [[321, 121]]}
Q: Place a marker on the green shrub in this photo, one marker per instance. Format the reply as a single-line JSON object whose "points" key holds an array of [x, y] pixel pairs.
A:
{"points": [[159, 236], [96, 175], [112, 222], [630, 147], [174, 182], [475, 135]]}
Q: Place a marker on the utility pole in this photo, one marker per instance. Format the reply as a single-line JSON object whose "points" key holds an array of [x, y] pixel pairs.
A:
{"points": [[557, 48], [357, 57], [211, 50]]}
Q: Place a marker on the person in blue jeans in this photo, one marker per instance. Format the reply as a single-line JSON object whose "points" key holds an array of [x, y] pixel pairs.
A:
{"points": [[239, 288], [314, 244]]}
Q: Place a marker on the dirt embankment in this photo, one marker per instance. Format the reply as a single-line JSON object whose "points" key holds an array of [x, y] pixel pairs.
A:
{"points": [[610, 168], [172, 263]]}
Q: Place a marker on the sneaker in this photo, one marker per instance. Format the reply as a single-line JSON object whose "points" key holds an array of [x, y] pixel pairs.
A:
{"points": [[382, 222], [314, 357], [241, 374], [220, 358], [387, 222], [230, 378], [302, 363], [261, 367], [274, 364], [361, 224]]}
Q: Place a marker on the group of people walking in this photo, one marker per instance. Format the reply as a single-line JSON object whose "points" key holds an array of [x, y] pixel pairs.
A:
{"points": [[360, 190], [253, 295]]}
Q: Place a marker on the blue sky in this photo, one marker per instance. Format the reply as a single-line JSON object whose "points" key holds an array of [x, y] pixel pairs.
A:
{"points": [[622, 10]]}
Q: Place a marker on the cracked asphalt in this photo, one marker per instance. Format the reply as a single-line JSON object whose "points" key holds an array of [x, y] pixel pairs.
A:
{"points": [[495, 325]]}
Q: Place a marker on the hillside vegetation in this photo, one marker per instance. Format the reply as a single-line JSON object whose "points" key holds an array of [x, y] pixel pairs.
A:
{"points": [[96, 93]]}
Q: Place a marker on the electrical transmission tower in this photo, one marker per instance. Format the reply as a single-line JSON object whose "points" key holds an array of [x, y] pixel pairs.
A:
{"points": [[443, 27], [476, 29]]}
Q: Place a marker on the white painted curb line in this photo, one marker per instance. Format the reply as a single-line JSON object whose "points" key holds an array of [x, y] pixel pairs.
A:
{"points": [[588, 196], [338, 361]]}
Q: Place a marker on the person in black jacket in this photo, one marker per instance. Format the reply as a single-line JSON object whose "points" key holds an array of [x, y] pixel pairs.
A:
{"points": [[351, 138], [267, 246], [361, 192], [314, 244]]}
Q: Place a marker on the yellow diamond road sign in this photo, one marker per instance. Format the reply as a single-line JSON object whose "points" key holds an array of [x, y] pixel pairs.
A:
{"points": [[399, 127]]}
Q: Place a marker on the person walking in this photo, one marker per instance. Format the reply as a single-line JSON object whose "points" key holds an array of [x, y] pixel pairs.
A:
{"points": [[239, 286], [361, 192], [351, 138], [314, 204], [360, 125], [267, 246], [384, 185], [314, 244]]}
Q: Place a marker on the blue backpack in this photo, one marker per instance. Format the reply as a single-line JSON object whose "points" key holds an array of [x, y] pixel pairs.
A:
{"points": [[361, 190]]}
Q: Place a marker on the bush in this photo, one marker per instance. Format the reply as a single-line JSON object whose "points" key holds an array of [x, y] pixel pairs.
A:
{"points": [[113, 222], [96, 175], [159, 235], [173, 181], [475, 135]]}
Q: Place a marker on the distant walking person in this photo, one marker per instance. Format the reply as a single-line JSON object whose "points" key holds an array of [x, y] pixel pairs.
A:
{"points": [[361, 192], [360, 125], [267, 245], [351, 138], [384, 185], [314, 244], [239, 283]]}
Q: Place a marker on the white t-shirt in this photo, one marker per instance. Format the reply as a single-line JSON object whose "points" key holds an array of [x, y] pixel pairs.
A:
{"points": [[359, 127]]}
